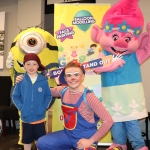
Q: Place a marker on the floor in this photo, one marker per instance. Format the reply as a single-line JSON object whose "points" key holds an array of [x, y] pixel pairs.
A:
{"points": [[9, 142]]}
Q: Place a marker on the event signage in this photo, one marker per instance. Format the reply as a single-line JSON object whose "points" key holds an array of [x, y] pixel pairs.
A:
{"points": [[72, 31], [87, 65]]}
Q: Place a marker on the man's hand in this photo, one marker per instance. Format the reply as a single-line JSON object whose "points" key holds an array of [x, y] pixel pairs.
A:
{"points": [[84, 143], [19, 78]]}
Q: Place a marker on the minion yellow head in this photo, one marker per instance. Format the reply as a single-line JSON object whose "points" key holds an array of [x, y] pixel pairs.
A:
{"points": [[34, 40]]}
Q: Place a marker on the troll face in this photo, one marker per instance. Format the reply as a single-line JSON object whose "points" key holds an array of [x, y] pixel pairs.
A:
{"points": [[121, 27], [118, 43]]}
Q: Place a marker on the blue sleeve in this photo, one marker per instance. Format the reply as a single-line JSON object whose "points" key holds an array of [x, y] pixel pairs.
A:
{"points": [[16, 97], [47, 96]]}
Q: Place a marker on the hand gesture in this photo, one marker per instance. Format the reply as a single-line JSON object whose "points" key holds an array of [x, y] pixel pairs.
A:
{"points": [[84, 143], [19, 78], [116, 57], [148, 31], [148, 27], [10, 60]]}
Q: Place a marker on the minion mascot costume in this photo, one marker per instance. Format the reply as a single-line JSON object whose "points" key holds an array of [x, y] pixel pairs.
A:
{"points": [[122, 90], [33, 40]]}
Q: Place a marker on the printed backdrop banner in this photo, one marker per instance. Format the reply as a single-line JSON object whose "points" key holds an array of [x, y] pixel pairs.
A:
{"points": [[87, 65], [72, 28], [2, 28]]}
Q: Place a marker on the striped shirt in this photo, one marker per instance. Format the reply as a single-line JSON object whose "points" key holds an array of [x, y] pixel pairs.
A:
{"points": [[94, 103]]}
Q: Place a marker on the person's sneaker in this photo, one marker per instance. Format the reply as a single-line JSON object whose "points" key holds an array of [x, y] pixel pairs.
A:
{"points": [[90, 148], [116, 148]]}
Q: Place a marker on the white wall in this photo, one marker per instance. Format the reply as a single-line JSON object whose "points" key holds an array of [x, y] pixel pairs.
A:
{"points": [[30, 13], [10, 7], [144, 5]]}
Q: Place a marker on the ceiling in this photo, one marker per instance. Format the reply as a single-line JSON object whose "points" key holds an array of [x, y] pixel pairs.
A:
{"points": [[49, 7]]}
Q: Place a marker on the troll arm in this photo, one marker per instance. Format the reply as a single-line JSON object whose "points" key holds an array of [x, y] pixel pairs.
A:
{"points": [[116, 63], [144, 52]]}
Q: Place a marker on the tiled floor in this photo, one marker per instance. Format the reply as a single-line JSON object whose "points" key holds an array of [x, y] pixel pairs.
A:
{"points": [[11, 139]]}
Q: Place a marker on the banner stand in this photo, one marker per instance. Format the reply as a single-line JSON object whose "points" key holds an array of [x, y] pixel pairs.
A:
{"points": [[72, 31]]}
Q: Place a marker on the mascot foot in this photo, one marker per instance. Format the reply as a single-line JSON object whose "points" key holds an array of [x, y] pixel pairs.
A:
{"points": [[143, 148], [115, 146]]}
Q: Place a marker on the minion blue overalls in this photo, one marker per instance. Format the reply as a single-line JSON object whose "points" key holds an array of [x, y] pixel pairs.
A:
{"points": [[75, 128]]}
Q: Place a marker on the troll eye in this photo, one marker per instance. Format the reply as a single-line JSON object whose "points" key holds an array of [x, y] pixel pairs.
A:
{"points": [[127, 39], [115, 37], [31, 42]]}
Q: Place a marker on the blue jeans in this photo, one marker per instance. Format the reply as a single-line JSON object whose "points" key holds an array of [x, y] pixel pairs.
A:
{"points": [[129, 129]]}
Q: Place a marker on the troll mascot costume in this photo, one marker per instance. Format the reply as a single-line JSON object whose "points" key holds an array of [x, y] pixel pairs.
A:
{"points": [[122, 90], [33, 40]]}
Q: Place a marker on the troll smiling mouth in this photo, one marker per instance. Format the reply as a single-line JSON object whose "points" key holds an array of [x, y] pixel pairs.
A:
{"points": [[118, 52]]}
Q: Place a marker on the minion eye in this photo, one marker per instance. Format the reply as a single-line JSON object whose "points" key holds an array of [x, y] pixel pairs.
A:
{"points": [[31, 42]]}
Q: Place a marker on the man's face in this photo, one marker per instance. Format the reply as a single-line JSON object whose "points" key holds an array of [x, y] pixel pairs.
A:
{"points": [[74, 77]]}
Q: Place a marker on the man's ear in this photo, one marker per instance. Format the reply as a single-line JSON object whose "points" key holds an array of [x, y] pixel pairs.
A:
{"points": [[83, 76]]}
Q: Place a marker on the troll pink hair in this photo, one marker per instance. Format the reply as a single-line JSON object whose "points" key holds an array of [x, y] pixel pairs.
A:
{"points": [[124, 10]]}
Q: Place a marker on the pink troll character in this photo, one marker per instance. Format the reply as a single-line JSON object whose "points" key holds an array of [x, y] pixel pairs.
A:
{"points": [[122, 88]]}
